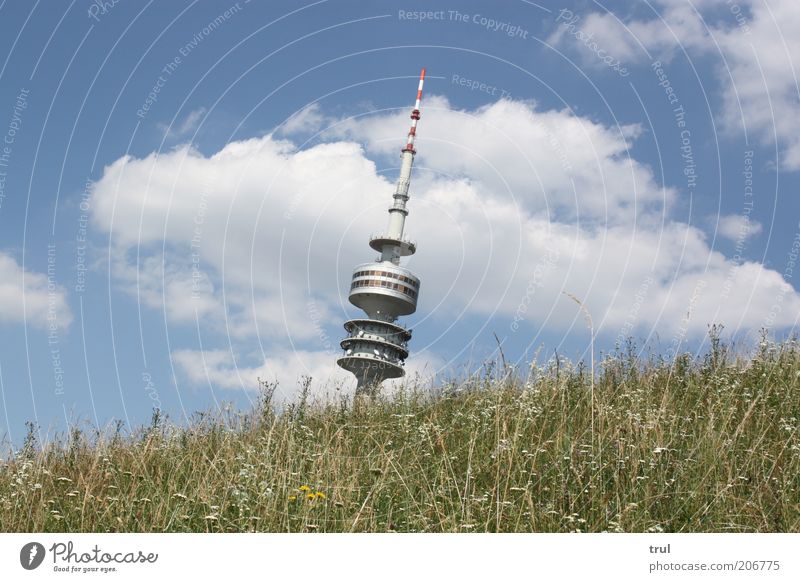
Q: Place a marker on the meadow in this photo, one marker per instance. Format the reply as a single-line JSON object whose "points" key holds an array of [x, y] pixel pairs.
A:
{"points": [[695, 444]]}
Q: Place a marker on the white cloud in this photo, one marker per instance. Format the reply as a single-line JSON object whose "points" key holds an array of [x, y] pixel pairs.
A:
{"points": [[677, 25], [259, 210], [738, 227], [219, 369], [552, 162], [499, 260], [755, 45], [308, 120], [762, 89], [189, 124], [510, 206], [32, 298]]}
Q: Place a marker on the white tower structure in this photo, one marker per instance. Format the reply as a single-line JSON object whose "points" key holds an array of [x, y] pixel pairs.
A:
{"points": [[376, 346]]}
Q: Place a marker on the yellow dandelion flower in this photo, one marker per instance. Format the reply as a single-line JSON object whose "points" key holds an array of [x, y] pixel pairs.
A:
{"points": [[304, 488], [320, 495], [310, 496], [292, 497]]}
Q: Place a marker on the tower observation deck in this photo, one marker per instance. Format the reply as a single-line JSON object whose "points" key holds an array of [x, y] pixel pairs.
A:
{"points": [[376, 347]]}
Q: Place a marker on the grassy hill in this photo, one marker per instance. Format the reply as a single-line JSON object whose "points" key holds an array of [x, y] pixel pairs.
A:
{"points": [[700, 445]]}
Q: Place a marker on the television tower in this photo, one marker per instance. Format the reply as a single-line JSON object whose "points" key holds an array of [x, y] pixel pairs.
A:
{"points": [[376, 346]]}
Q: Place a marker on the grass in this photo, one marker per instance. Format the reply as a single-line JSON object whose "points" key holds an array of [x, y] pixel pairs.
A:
{"points": [[707, 444]]}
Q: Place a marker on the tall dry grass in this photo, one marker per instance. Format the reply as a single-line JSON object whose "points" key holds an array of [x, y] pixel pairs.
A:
{"points": [[704, 444]]}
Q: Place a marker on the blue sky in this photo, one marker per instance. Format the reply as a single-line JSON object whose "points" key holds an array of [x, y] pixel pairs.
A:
{"points": [[185, 187]]}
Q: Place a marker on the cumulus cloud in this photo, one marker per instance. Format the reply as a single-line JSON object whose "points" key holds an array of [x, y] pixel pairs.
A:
{"points": [[752, 42], [31, 298], [511, 206], [761, 91], [552, 163], [242, 236]]}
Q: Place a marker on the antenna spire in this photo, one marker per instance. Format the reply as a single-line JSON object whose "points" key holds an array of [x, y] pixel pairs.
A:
{"points": [[415, 115]]}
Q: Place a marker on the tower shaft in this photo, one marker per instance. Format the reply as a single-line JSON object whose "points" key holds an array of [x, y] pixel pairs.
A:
{"points": [[398, 211]]}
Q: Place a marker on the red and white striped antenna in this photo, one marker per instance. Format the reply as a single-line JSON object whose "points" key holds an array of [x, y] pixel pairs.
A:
{"points": [[415, 115]]}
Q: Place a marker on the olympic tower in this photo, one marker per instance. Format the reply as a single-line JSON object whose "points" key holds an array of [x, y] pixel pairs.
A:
{"points": [[376, 346]]}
